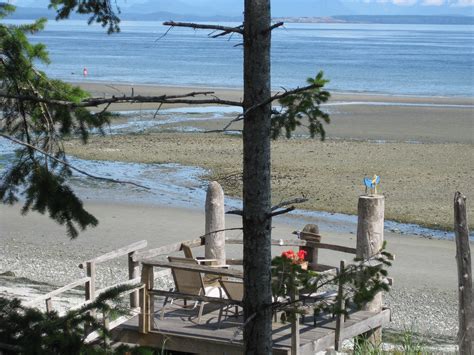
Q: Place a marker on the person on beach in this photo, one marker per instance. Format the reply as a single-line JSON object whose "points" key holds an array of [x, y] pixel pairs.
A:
{"points": [[84, 72]]}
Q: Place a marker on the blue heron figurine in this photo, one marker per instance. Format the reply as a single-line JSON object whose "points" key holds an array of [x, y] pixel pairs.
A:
{"points": [[371, 184]]}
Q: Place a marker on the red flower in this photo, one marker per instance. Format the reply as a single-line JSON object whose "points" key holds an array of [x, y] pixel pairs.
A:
{"points": [[289, 254], [295, 258], [302, 254]]}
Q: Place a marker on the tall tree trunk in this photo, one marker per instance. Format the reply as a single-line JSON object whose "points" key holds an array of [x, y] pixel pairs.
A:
{"points": [[256, 178]]}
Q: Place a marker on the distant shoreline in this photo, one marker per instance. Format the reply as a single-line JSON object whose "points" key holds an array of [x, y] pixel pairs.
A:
{"points": [[236, 93]]}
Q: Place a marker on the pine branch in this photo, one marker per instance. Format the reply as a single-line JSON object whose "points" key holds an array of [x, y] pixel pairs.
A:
{"points": [[31, 146], [274, 208], [164, 99], [277, 96], [276, 25], [224, 29], [289, 202]]}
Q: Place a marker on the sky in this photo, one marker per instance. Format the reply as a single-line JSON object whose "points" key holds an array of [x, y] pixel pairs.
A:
{"points": [[294, 7]]}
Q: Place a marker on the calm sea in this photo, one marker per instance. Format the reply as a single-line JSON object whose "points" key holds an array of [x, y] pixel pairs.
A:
{"points": [[390, 59]]}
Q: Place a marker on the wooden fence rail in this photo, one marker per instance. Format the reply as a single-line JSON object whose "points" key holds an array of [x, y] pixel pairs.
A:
{"points": [[48, 296]]}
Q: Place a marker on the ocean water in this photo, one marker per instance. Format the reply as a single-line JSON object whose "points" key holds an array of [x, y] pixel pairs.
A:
{"points": [[427, 60]]}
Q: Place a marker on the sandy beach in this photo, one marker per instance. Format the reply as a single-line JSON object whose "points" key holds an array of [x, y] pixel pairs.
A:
{"points": [[423, 298], [423, 153], [353, 115], [422, 147]]}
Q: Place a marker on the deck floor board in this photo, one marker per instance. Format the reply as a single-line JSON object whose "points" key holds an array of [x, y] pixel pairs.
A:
{"points": [[180, 331]]}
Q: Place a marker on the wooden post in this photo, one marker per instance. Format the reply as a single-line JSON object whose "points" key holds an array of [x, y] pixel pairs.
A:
{"points": [[146, 300], [49, 305], [340, 317], [369, 242], [106, 324], [133, 272], [215, 221], [295, 321], [310, 233], [90, 285], [463, 257]]}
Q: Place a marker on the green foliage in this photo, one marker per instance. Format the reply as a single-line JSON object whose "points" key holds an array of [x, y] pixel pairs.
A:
{"points": [[288, 274], [34, 332], [365, 347], [361, 281], [303, 105], [6, 9], [101, 11], [38, 112], [406, 343]]}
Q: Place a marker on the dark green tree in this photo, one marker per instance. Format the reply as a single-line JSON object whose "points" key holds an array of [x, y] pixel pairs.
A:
{"points": [[35, 115], [26, 330]]}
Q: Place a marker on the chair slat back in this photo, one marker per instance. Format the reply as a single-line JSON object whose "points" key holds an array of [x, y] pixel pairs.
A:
{"points": [[233, 289], [186, 281]]}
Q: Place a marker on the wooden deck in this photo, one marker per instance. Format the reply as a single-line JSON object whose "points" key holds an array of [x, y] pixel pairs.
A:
{"points": [[179, 331]]}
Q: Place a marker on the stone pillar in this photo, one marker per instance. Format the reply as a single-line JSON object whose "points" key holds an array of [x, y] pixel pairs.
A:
{"points": [[215, 221]]}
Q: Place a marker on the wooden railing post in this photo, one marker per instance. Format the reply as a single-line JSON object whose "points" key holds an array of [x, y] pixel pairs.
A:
{"points": [[310, 233], [370, 238], [215, 221], [133, 272], [49, 305], [106, 324], [146, 300], [90, 285], [463, 257], [295, 321], [341, 304]]}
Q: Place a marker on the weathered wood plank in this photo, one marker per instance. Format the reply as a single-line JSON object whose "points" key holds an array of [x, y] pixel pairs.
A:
{"points": [[111, 325], [125, 293], [301, 243], [186, 296], [234, 261], [136, 281], [166, 249], [116, 253], [179, 342], [463, 258], [60, 290], [351, 329], [193, 267]]}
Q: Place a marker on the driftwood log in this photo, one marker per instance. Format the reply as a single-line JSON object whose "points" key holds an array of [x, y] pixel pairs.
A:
{"points": [[370, 238], [463, 257], [215, 221]]}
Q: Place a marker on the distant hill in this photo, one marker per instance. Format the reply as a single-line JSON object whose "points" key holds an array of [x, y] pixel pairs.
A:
{"points": [[127, 14], [408, 19]]}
